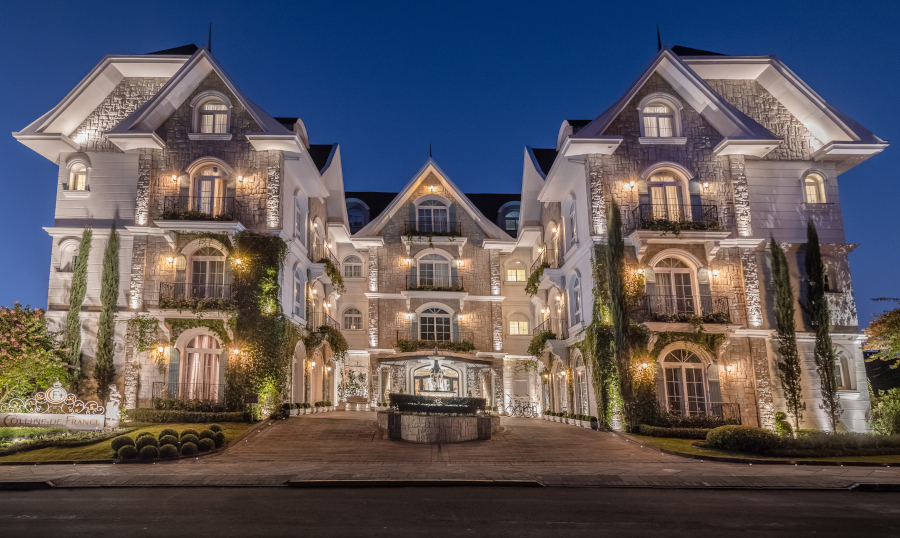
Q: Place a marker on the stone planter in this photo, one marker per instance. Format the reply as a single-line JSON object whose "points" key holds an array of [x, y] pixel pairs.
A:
{"points": [[438, 429]]}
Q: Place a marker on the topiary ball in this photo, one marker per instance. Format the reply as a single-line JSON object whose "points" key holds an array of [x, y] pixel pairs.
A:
{"points": [[147, 440], [149, 452], [188, 449], [168, 440], [189, 438], [206, 445], [168, 451], [207, 434], [120, 441], [215, 427], [142, 434], [189, 432], [168, 431], [128, 452], [219, 439]]}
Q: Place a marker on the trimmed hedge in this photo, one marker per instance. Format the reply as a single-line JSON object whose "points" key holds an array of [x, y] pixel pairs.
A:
{"points": [[207, 434], [219, 439], [168, 451], [408, 403], [829, 445], [142, 434], [149, 452], [677, 433], [205, 445], [189, 431], [173, 417], [120, 441], [168, 431], [675, 420], [127, 452], [189, 438], [168, 440], [62, 440], [215, 427], [147, 440], [742, 439], [188, 449]]}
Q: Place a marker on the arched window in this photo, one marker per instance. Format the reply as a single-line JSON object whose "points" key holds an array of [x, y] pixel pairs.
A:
{"points": [[814, 189], [214, 118], [518, 324], [434, 272], [299, 293], [352, 267], [685, 387], [666, 197], [434, 324], [200, 370], [674, 288], [575, 300], [78, 177], [658, 120], [571, 224], [352, 319], [433, 216], [357, 219], [208, 274], [515, 272], [508, 217], [68, 255]]}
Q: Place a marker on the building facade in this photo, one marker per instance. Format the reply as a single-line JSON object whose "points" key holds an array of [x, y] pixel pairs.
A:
{"points": [[707, 155]]}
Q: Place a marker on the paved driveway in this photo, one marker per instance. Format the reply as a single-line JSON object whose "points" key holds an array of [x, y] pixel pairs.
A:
{"points": [[349, 446]]}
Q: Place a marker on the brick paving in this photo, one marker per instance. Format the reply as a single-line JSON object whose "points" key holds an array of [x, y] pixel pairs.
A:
{"points": [[347, 446]]}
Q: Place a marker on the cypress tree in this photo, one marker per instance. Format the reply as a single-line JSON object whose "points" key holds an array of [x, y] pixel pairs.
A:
{"points": [[104, 369], [789, 366], [618, 304], [820, 319], [73, 320]]}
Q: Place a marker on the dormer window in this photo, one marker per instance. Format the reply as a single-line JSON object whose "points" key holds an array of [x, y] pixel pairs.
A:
{"points": [[658, 121], [660, 117], [78, 177], [214, 118], [433, 216], [814, 189]]}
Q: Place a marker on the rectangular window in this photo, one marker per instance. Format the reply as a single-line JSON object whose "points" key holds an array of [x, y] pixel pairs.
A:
{"points": [[515, 275], [650, 126], [352, 271], [221, 123], [518, 327], [673, 389], [665, 126], [207, 123], [352, 323]]}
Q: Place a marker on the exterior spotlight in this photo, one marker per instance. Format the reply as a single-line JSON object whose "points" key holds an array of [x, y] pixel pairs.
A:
{"points": [[461, 317], [313, 364], [170, 260], [715, 272], [431, 188], [540, 249], [729, 368], [238, 261], [458, 262], [161, 349], [555, 229], [706, 184], [236, 351], [644, 365], [407, 260], [242, 179], [315, 225]]}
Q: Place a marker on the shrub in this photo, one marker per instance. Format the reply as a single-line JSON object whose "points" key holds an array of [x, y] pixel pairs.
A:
{"points": [[127, 452], [178, 404], [168, 440], [219, 439], [782, 426], [189, 438], [206, 445], [886, 412], [824, 445], [168, 451], [145, 441], [149, 452], [189, 431], [142, 434], [215, 427], [188, 449], [742, 439], [120, 441], [677, 433], [174, 417], [168, 431], [207, 434], [676, 420]]}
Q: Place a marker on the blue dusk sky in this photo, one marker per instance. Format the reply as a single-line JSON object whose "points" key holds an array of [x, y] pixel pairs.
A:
{"points": [[477, 80]]}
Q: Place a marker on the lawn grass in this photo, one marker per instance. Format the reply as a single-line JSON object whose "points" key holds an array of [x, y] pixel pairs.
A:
{"points": [[686, 446], [102, 451]]}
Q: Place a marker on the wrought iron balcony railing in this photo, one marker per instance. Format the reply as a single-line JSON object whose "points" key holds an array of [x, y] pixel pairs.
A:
{"points": [[437, 228], [218, 208], [557, 326], [205, 392], [673, 217], [320, 319], [426, 339], [188, 295], [434, 283], [550, 256], [319, 251], [683, 308]]}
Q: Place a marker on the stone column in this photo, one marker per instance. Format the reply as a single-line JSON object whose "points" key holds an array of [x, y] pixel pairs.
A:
{"points": [[138, 258], [750, 269], [594, 172], [273, 191], [760, 359], [496, 309], [142, 202], [497, 370], [741, 196], [373, 303]]}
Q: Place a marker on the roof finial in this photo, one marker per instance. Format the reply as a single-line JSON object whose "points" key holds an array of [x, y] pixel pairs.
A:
{"points": [[429, 150], [209, 43], [658, 40]]}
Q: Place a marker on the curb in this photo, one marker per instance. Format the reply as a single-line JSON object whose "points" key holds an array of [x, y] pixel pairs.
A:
{"points": [[424, 482], [719, 459], [26, 486]]}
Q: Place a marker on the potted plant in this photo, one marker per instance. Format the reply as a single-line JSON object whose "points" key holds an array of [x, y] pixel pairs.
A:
{"points": [[286, 410], [594, 424], [555, 417]]}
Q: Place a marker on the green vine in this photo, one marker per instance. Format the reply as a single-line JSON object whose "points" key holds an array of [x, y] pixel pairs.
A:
{"points": [[179, 325], [534, 279], [143, 334], [536, 347], [708, 341], [313, 338], [335, 275], [407, 346], [430, 235]]}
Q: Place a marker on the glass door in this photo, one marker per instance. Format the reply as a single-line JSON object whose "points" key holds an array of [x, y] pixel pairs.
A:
{"points": [[205, 194]]}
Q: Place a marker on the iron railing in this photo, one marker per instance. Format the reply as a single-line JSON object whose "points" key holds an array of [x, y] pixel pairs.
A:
{"points": [[550, 256], [319, 251], [220, 208], [682, 308], [673, 217], [434, 283], [434, 227], [205, 392], [320, 319], [426, 339], [557, 326], [190, 295], [730, 413]]}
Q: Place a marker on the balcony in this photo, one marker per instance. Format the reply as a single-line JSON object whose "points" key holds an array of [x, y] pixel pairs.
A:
{"points": [[319, 252], [685, 308], [434, 283], [322, 319], [549, 256], [194, 297], [557, 326], [432, 229], [201, 208], [166, 394], [672, 218], [460, 342]]}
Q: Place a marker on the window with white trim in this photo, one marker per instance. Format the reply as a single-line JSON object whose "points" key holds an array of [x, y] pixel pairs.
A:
{"points": [[213, 117], [518, 325], [575, 300], [299, 293], [352, 267], [68, 256], [434, 324], [207, 274], [814, 189], [659, 120], [515, 272], [200, 370], [352, 319], [433, 216], [684, 383], [78, 177], [674, 288], [434, 271], [572, 226]]}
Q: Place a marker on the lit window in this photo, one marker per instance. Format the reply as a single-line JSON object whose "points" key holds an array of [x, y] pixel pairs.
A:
{"points": [[658, 121], [518, 325], [684, 383], [575, 300], [433, 216], [516, 273], [434, 272], [352, 319], [214, 118], [434, 324], [77, 177], [814, 187], [299, 293], [512, 220], [353, 267]]}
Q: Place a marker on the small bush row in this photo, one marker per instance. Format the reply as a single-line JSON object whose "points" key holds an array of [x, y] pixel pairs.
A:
{"points": [[169, 443], [157, 416], [806, 445], [178, 404], [586, 418], [677, 433], [287, 406], [323, 403]]}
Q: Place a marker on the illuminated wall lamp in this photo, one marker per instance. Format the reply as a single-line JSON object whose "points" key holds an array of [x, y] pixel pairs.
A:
{"points": [[328, 368], [644, 365], [729, 368], [706, 184], [715, 273], [236, 351], [315, 291], [238, 261], [459, 262], [555, 230], [170, 260], [432, 188], [540, 249], [631, 185], [242, 179], [639, 271], [174, 178], [407, 260]]}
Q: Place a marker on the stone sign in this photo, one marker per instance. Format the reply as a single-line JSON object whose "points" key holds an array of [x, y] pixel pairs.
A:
{"points": [[57, 408]]}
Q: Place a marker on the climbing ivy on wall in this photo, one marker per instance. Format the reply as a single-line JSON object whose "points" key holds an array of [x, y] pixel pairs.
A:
{"points": [[534, 279], [179, 325]]}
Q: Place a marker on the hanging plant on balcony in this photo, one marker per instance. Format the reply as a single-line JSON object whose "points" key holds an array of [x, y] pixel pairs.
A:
{"points": [[313, 338], [536, 347], [534, 279], [335, 275], [408, 346]]}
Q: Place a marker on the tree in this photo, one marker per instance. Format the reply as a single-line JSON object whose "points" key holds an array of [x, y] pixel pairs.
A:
{"points": [[789, 366], [820, 319], [884, 335], [618, 303], [104, 369], [29, 356], [886, 412], [72, 338]]}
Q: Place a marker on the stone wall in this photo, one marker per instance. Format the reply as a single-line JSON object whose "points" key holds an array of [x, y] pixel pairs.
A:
{"points": [[129, 95]]}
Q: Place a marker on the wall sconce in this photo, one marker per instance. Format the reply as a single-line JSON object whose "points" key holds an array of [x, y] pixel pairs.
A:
{"points": [[330, 245], [462, 317], [546, 376], [236, 351], [432, 188], [160, 349], [238, 261], [407, 261], [631, 185], [327, 305], [729, 368], [315, 291], [715, 273], [459, 262], [644, 365], [312, 364], [639, 271], [315, 224], [242, 179], [540, 250], [328, 368], [706, 184], [559, 298], [174, 178], [170, 260], [408, 315], [555, 229]]}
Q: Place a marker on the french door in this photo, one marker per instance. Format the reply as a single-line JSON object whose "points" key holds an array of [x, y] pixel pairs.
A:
{"points": [[205, 194], [208, 278], [666, 199]]}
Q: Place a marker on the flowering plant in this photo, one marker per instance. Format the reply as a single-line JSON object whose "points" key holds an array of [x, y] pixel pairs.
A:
{"points": [[30, 357]]}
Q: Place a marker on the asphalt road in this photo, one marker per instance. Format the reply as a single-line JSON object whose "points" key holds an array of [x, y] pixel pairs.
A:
{"points": [[448, 511]]}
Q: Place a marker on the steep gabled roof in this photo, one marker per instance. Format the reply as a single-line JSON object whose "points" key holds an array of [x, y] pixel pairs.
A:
{"points": [[321, 155], [487, 224], [184, 50], [543, 159]]}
